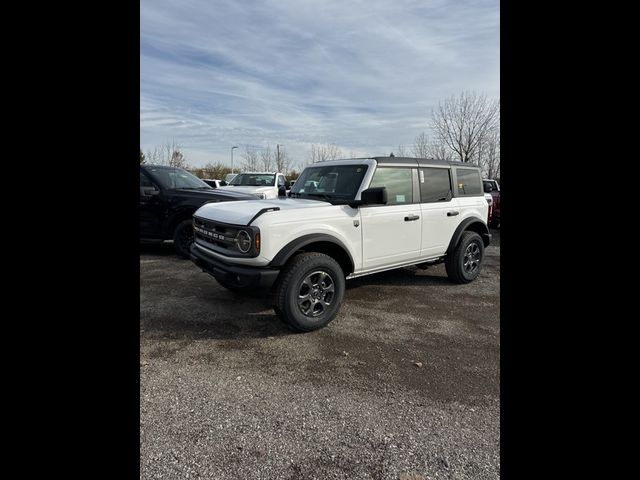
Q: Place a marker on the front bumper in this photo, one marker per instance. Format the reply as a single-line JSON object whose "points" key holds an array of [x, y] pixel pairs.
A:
{"points": [[237, 275]]}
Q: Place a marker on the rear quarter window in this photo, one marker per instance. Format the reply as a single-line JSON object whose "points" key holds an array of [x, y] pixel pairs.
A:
{"points": [[468, 182]]}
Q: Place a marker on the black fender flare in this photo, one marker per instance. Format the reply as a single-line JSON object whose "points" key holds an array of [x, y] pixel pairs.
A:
{"points": [[464, 224], [292, 247]]}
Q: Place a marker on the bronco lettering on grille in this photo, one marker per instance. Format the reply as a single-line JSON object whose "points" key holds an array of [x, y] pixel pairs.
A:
{"points": [[217, 236]]}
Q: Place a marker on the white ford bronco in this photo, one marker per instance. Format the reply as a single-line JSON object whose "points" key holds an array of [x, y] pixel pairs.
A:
{"points": [[345, 219]]}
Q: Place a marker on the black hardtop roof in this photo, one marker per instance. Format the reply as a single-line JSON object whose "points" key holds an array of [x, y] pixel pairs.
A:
{"points": [[408, 162], [422, 162]]}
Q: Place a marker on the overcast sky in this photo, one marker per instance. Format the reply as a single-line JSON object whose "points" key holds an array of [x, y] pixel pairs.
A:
{"points": [[361, 74]]}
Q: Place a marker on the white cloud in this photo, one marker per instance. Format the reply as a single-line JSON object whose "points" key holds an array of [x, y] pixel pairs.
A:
{"points": [[362, 74]]}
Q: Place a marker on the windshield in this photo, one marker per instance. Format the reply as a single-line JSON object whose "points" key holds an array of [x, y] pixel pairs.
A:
{"points": [[254, 180], [332, 183], [171, 178]]}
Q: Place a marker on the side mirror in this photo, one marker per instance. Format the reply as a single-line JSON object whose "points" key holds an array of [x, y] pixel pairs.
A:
{"points": [[287, 184], [374, 196], [282, 191], [148, 191], [488, 188]]}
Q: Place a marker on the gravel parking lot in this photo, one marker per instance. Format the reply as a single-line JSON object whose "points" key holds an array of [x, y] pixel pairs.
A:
{"points": [[404, 384]]}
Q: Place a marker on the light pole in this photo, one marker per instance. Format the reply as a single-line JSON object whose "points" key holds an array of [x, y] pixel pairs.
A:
{"points": [[278, 155], [232, 158]]}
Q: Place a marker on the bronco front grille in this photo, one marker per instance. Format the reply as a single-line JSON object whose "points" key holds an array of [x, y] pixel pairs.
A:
{"points": [[215, 235]]}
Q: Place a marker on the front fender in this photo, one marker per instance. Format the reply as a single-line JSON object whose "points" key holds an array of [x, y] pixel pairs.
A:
{"points": [[289, 249]]}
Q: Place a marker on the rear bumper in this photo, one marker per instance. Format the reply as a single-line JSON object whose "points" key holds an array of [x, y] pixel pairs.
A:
{"points": [[486, 239], [238, 275]]}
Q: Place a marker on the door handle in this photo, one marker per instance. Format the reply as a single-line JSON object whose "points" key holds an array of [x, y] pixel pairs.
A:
{"points": [[411, 218], [452, 214]]}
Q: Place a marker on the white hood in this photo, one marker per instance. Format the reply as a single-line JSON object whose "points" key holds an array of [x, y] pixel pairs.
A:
{"points": [[242, 211]]}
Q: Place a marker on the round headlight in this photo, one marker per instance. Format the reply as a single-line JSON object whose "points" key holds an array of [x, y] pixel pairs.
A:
{"points": [[243, 239]]}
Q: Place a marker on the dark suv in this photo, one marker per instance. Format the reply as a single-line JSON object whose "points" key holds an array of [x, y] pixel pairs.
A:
{"points": [[168, 198]]}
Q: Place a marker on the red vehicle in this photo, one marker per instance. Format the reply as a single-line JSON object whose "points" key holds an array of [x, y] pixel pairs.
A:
{"points": [[493, 187]]}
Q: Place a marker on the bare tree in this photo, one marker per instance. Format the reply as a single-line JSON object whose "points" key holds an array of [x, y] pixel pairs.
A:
{"points": [[463, 122], [421, 147], [153, 156], [168, 154], [402, 151], [177, 160], [320, 153], [173, 155], [250, 157], [266, 159], [489, 154], [439, 151]]}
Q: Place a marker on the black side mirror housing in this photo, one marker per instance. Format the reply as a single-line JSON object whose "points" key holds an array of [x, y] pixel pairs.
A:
{"points": [[488, 188], [282, 191], [374, 196], [287, 184]]}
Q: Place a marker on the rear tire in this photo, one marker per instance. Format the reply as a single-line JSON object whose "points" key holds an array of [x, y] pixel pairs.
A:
{"points": [[464, 263], [183, 238], [309, 291]]}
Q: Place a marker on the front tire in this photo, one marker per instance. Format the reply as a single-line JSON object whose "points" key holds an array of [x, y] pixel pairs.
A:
{"points": [[309, 291], [183, 238], [464, 263]]}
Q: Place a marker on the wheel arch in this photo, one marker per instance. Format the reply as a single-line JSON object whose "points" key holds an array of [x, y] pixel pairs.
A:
{"points": [[320, 243], [473, 224], [184, 213]]}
